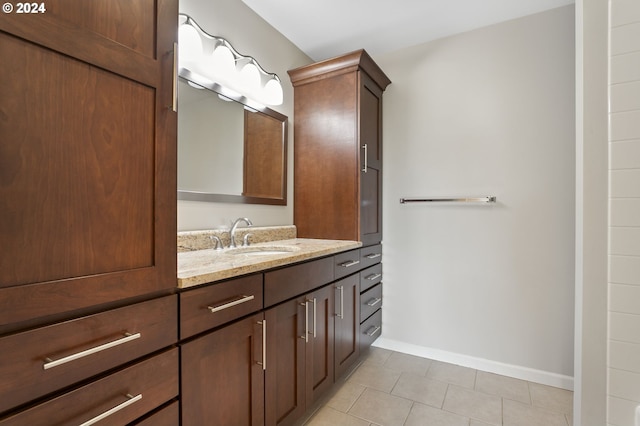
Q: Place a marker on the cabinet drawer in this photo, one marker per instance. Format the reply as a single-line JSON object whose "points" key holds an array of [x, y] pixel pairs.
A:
{"points": [[370, 255], [167, 416], [347, 263], [370, 330], [370, 277], [292, 281], [370, 301], [43, 360], [216, 304], [127, 395]]}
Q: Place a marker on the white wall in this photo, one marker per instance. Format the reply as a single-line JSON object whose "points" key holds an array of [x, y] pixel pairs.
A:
{"points": [[250, 35], [488, 112], [624, 218]]}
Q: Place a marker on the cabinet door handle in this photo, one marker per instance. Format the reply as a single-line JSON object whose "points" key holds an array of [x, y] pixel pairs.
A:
{"points": [[132, 399], [366, 165], [174, 88], [374, 301], [264, 344], [341, 290], [373, 255], [241, 299], [54, 363], [376, 328], [306, 321], [372, 277], [349, 263], [314, 317]]}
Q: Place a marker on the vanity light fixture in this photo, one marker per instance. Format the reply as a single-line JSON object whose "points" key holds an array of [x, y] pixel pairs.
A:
{"points": [[212, 60]]}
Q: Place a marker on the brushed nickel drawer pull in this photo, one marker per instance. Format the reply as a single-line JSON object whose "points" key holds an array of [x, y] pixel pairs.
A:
{"points": [[376, 328], [372, 277], [174, 87], [132, 399], [349, 263], [241, 299], [50, 363], [373, 255], [341, 289], [314, 317], [306, 321], [366, 164], [264, 344], [374, 301]]}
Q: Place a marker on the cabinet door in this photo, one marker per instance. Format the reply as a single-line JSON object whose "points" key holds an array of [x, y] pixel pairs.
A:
{"points": [[285, 373], [319, 348], [222, 376], [370, 161], [87, 155], [347, 323]]}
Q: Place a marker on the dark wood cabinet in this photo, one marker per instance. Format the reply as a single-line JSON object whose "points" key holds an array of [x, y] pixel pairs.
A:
{"points": [[222, 376], [338, 162], [88, 211], [87, 157], [347, 325], [300, 355]]}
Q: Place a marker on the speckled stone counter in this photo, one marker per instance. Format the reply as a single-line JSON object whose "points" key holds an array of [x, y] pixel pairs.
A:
{"points": [[200, 240], [204, 266]]}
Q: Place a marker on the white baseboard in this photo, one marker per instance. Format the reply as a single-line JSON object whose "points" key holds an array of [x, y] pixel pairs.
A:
{"points": [[516, 371]]}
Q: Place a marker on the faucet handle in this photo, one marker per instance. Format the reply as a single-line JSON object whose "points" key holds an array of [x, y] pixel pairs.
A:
{"points": [[215, 239], [245, 240]]}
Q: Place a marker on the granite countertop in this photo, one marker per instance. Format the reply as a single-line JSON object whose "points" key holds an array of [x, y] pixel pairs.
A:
{"points": [[204, 266]]}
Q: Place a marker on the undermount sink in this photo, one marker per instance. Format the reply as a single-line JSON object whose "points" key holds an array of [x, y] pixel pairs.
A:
{"points": [[264, 250]]}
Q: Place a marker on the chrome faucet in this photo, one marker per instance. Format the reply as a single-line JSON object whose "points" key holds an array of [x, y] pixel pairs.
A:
{"points": [[232, 232]]}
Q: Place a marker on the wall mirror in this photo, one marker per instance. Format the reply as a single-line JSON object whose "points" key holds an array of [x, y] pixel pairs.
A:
{"points": [[229, 151]]}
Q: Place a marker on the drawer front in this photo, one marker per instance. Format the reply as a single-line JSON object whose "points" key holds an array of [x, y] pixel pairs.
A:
{"points": [[120, 397], [43, 360], [370, 255], [370, 277], [208, 307], [370, 330], [292, 281], [370, 301], [347, 263], [167, 416]]}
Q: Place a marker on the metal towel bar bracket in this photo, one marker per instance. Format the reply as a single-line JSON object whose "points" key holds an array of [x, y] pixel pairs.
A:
{"points": [[489, 199]]}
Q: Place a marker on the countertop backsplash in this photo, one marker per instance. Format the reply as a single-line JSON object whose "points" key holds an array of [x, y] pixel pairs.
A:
{"points": [[199, 240]]}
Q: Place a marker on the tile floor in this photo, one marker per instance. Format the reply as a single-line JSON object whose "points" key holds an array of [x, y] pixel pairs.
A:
{"points": [[391, 388]]}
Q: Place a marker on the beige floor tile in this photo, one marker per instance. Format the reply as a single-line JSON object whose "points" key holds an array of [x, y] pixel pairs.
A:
{"points": [[381, 408], [408, 363], [419, 388], [329, 417], [377, 355], [474, 422], [472, 404], [550, 398], [375, 376], [519, 414], [454, 374], [506, 387], [344, 398], [422, 415]]}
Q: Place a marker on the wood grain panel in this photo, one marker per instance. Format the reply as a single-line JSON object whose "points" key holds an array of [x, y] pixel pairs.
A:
{"points": [[66, 187]]}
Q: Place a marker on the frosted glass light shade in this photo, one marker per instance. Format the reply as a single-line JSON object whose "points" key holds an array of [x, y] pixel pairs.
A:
{"points": [[222, 63], [273, 92], [249, 80]]}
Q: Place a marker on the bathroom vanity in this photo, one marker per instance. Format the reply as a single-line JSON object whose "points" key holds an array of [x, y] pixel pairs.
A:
{"points": [[277, 337]]}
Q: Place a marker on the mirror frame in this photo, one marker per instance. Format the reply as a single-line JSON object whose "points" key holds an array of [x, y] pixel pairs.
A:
{"points": [[187, 76]]}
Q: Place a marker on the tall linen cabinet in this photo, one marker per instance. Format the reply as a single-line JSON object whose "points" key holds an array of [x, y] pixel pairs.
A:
{"points": [[338, 185], [338, 148]]}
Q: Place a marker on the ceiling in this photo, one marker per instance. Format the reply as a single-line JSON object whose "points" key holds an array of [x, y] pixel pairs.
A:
{"points": [[327, 28]]}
